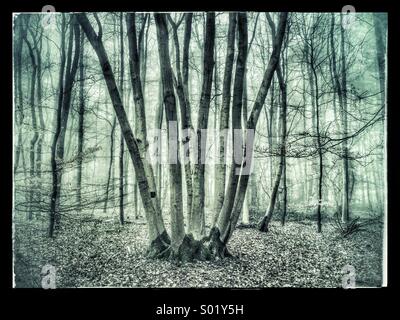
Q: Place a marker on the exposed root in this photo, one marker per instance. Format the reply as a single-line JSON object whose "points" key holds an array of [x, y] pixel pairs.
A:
{"points": [[208, 248], [216, 247], [159, 247], [190, 250], [247, 226], [263, 225]]}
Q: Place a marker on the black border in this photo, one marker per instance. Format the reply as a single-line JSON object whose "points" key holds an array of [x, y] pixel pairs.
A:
{"points": [[257, 303]]}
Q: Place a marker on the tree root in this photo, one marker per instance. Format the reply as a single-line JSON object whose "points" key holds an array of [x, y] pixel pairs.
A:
{"points": [[190, 250], [216, 247], [207, 249], [159, 247], [263, 225]]}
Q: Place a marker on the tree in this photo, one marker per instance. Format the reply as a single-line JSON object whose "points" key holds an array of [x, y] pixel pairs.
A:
{"points": [[313, 57], [158, 237], [185, 246], [33, 115], [297, 122], [224, 116], [140, 115], [21, 30], [341, 88], [111, 166], [263, 226], [380, 32], [66, 82], [380, 28], [229, 216], [176, 210], [122, 143], [181, 84], [81, 130], [197, 218], [221, 230]]}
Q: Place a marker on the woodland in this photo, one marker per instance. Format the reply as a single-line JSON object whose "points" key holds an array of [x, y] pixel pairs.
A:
{"points": [[199, 149]]}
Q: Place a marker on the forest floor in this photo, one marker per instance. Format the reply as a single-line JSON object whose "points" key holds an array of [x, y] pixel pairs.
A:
{"points": [[97, 253]]}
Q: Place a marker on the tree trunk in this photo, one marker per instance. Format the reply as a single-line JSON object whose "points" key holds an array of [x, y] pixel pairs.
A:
{"points": [[246, 211], [188, 125], [221, 233], [197, 217], [264, 223], [285, 196], [341, 89], [122, 143], [345, 152], [380, 32], [19, 99], [380, 28], [222, 228], [177, 220], [305, 163], [34, 123], [54, 200], [80, 124], [184, 104], [112, 165], [41, 119], [140, 115], [252, 123], [319, 147], [313, 119], [110, 176], [65, 92], [159, 124], [158, 237], [224, 117]]}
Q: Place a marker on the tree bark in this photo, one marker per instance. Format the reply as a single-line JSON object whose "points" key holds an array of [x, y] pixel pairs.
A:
{"points": [[319, 147], [177, 222], [158, 237], [252, 123], [197, 218], [224, 117], [341, 89], [19, 99], [380, 31], [140, 115], [159, 124], [263, 226], [54, 200], [34, 122], [38, 50], [122, 143], [181, 85], [313, 122], [81, 123], [222, 227], [380, 28], [67, 77], [110, 176]]}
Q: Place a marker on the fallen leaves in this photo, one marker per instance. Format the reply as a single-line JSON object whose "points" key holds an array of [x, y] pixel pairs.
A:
{"points": [[290, 256]]}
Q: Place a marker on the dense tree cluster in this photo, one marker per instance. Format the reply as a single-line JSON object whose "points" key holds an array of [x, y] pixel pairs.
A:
{"points": [[261, 115]]}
